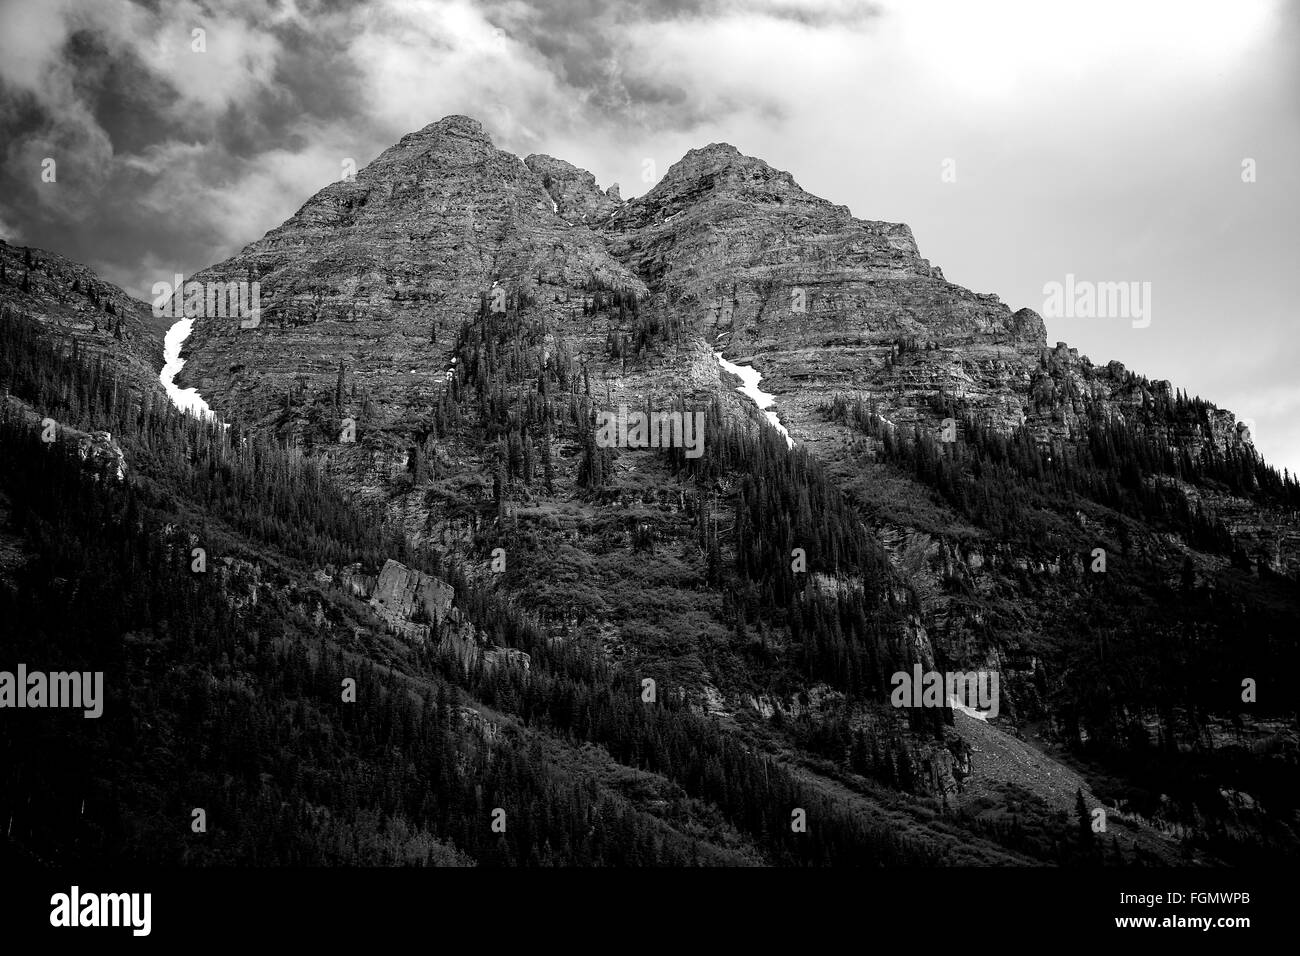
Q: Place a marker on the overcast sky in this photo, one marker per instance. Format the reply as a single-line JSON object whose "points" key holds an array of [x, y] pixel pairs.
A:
{"points": [[1101, 138]]}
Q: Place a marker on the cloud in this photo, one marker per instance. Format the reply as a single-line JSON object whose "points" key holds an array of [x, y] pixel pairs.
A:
{"points": [[10, 234], [167, 141]]}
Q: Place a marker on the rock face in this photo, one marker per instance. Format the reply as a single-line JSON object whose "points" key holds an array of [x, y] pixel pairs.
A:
{"points": [[418, 607], [577, 197], [818, 301], [405, 597], [365, 287], [99, 451]]}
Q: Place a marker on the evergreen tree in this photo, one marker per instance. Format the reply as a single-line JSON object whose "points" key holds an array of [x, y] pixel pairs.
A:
{"points": [[1084, 819]]}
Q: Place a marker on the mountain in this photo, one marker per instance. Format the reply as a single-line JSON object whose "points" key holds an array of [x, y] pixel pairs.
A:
{"points": [[692, 647], [376, 272]]}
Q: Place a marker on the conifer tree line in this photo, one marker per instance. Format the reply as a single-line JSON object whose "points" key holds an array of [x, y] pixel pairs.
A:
{"points": [[1002, 482]]}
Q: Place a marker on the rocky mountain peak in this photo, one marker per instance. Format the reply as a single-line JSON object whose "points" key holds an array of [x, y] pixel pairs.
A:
{"points": [[376, 272], [450, 142], [464, 127], [720, 171]]}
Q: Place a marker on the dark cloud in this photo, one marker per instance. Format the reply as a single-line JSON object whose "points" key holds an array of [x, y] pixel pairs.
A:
{"points": [[316, 70], [128, 101], [587, 44], [115, 117]]}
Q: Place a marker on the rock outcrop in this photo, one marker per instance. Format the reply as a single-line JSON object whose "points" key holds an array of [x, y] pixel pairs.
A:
{"points": [[419, 608], [96, 449], [404, 597]]}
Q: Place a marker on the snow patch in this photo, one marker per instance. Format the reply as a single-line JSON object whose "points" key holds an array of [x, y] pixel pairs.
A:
{"points": [[955, 704], [750, 376], [186, 399]]}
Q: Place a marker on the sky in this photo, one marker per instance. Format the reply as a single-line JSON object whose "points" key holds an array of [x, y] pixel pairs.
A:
{"points": [[1154, 142]]}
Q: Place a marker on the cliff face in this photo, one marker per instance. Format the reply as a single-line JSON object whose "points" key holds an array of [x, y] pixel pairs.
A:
{"points": [[577, 198], [818, 301]]}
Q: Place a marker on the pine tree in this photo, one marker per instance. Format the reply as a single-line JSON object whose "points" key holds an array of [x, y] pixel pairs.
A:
{"points": [[548, 470], [418, 463], [1085, 818], [499, 484]]}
